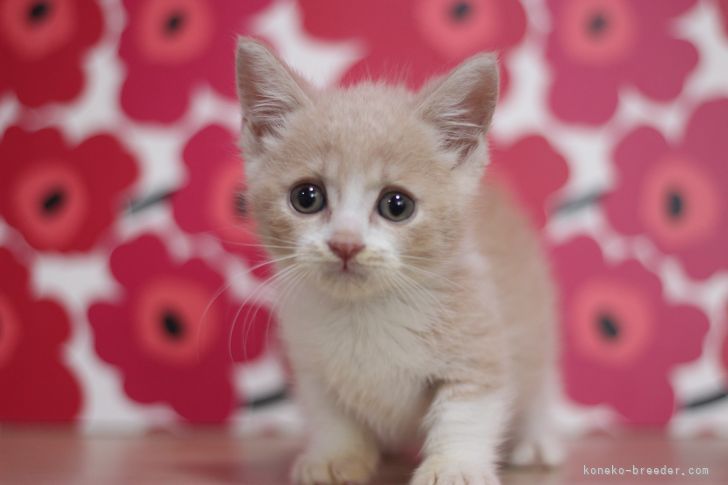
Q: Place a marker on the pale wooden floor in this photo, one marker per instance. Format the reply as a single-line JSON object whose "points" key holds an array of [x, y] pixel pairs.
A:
{"points": [[209, 456]]}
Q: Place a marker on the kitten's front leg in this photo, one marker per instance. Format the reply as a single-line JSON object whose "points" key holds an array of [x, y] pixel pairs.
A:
{"points": [[465, 425], [340, 450]]}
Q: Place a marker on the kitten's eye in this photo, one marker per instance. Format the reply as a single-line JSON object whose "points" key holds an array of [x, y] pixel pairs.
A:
{"points": [[396, 206], [308, 198]]}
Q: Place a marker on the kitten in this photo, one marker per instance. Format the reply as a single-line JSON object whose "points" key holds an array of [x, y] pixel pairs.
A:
{"points": [[414, 300]]}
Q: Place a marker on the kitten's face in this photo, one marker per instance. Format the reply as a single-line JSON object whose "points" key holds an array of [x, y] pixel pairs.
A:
{"points": [[356, 191]]}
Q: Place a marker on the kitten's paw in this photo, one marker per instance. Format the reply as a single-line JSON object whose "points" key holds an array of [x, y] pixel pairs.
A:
{"points": [[315, 469], [434, 471], [541, 451]]}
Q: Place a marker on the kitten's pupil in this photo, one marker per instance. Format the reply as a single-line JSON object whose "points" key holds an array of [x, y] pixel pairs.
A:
{"points": [[174, 23], [675, 204], [172, 325], [397, 205], [608, 326], [597, 24], [53, 201], [460, 11], [38, 12], [307, 196]]}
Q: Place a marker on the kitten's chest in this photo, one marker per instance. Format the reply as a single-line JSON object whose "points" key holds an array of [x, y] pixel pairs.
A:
{"points": [[372, 359]]}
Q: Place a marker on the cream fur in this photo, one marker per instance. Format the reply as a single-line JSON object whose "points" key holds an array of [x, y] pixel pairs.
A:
{"points": [[442, 333]]}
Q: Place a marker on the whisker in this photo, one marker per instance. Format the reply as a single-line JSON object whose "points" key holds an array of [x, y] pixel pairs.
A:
{"points": [[226, 286], [252, 320], [223, 289], [289, 282], [437, 276], [424, 293], [290, 287], [254, 293]]}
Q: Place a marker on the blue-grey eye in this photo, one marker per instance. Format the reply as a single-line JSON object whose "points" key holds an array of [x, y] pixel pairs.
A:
{"points": [[308, 198], [396, 206]]}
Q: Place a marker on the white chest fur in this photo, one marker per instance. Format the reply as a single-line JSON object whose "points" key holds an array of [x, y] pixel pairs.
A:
{"points": [[369, 356]]}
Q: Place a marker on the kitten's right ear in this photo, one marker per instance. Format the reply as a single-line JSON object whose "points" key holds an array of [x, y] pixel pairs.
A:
{"points": [[268, 90], [461, 105]]}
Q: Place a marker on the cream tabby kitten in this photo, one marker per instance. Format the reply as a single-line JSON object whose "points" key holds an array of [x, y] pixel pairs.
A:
{"points": [[414, 300]]}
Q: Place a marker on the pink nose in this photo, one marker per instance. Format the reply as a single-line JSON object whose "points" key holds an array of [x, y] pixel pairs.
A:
{"points": [[345, 249]]}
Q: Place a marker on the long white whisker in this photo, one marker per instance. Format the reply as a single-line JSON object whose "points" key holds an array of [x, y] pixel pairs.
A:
{"points": [[437, 276], [251, 321], [250, 297], [291, 285], [226, 286], [424, 293]]}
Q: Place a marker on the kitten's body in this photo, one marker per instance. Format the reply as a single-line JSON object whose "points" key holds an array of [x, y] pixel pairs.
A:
{"points": [[441, 328], [375, 356]]}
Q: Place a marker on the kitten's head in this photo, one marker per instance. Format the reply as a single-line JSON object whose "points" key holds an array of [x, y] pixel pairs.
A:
{"points": [[364, 189]]}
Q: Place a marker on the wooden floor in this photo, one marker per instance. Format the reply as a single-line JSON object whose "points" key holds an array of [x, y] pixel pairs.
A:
{"points": [[210, 456]]}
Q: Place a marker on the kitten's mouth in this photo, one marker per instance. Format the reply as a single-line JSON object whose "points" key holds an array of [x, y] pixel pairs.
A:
{"points": [[350, 269], [351, 282], [346, 269]]}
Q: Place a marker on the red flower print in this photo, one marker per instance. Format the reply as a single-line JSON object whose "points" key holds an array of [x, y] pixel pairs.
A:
{"points": [[675, 193], [212, 201], [598, 46], [723, 9], [62, 198], [415, 39], [41, 38], [34, 384], [532, 170], [171, 332], [621, 339], [172, 46]]}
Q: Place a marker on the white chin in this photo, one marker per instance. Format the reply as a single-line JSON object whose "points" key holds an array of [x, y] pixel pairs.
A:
{"points": [[350, 283]]}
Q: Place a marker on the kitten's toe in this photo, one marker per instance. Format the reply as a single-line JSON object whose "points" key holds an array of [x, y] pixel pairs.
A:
{"points": [[447, 472], [540, 451], [313, 469]]}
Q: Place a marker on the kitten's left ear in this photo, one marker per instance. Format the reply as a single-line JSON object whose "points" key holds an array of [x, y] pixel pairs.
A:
{"points": [[268, 89], [461, 105]]}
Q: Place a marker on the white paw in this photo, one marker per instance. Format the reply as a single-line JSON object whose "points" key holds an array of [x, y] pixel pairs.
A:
{"points": [[314, 469], [540, 451], [438, 471]]}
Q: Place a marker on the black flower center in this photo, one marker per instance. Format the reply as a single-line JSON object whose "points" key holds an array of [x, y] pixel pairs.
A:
{"points": [[608, 326], [674, 204], [241, 205], [38, 12], [460, 11], [174, 23], [54, 201], [597, 25], [172, 325]]}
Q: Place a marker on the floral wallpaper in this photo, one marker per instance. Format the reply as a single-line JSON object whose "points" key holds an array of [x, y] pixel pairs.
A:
{"points": [[130, 277]]}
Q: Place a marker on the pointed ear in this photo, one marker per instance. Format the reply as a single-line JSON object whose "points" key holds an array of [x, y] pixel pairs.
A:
{"points": [[268, 90], [461, 105]]}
